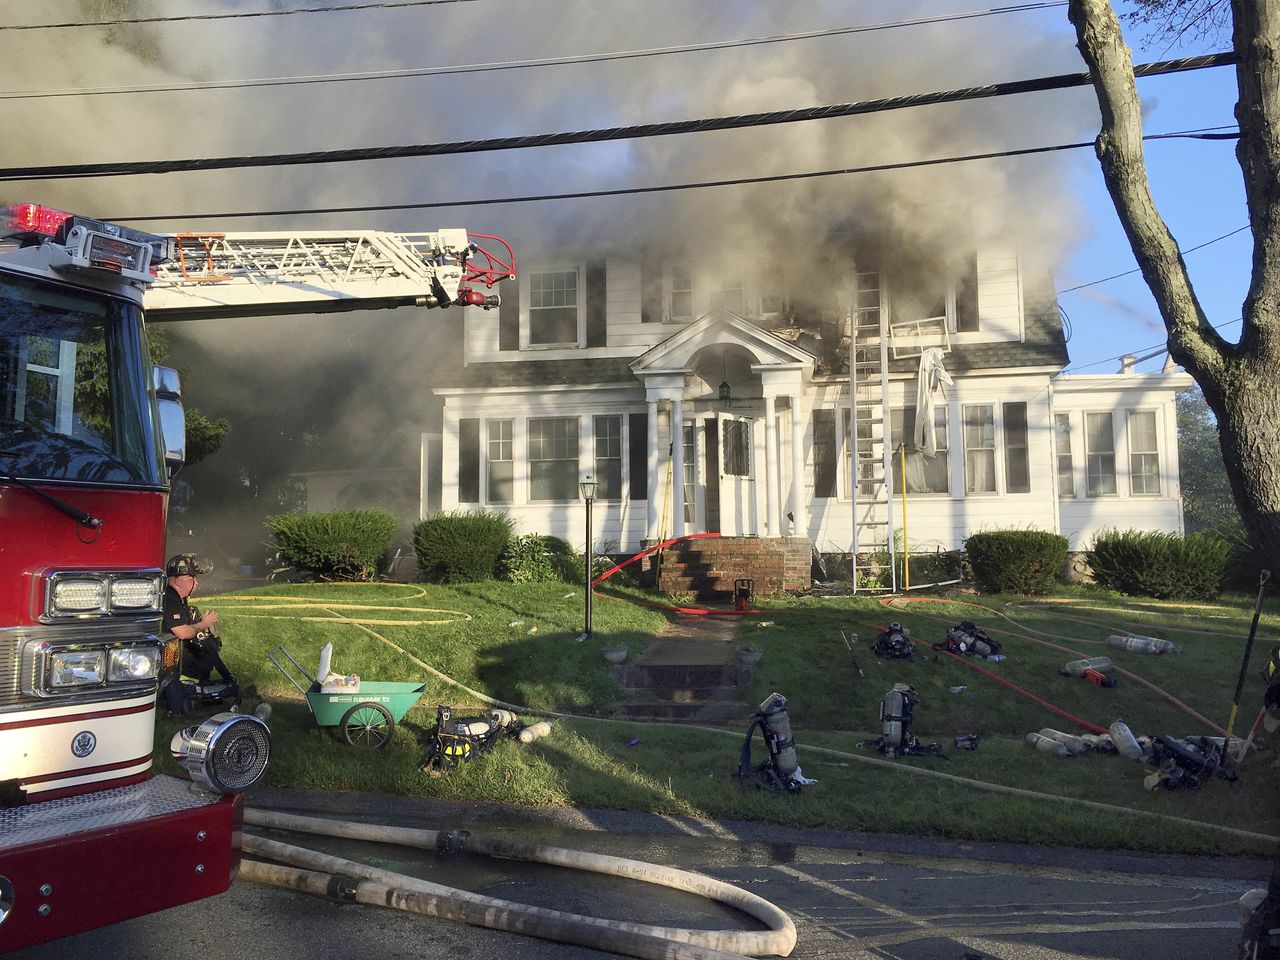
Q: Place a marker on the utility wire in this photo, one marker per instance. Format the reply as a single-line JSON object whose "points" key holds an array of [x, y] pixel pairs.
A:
{"points": [[632, 191], [1155, 346], [228, 16], [1116, 276], [637, 131], [516, 64]]}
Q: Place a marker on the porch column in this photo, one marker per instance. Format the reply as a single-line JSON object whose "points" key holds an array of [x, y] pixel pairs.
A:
{"points": [[773, 510], [801, 526], [651, 507], [677, 467]]}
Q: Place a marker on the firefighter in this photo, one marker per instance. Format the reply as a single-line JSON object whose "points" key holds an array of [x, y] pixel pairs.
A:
{"points": [[201, 645]]}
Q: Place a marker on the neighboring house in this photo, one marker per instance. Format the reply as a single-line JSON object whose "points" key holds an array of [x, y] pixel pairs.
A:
{"points": [[588, 364]]}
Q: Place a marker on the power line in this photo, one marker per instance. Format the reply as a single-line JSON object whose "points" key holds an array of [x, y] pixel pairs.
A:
{"points": [[1154, 346], [229, 16], [519, 64], [637, 131], [1116, 276], [632, 191]]}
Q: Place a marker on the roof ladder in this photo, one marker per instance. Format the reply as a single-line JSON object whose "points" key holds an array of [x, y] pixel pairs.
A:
{"points": [[869, 439]]}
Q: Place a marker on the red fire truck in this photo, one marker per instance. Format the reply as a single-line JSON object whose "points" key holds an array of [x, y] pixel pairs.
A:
{"points": [[90, 435]]}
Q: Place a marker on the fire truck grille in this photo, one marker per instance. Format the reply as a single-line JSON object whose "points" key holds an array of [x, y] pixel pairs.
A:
{"points": [[10, 687]]}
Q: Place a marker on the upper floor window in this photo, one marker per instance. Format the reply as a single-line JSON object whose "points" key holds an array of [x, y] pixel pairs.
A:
{"points": [[927, 294], [554, 301], [1144, 454], [681, 300]]}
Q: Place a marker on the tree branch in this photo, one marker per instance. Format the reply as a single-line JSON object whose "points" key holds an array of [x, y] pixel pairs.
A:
{"points": [[1192, 341]]}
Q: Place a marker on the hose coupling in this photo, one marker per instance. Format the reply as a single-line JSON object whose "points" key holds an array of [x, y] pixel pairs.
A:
{"points": [[451, 841]]}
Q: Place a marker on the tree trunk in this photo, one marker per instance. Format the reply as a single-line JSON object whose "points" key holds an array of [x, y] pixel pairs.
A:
{"points": [[1240, 381]]}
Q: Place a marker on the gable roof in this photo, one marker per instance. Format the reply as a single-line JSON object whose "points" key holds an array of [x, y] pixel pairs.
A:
{"points": [[719, 328]]}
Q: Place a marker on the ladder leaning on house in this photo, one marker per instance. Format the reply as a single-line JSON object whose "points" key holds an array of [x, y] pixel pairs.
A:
{"points": [[317, 271], [870, 435]]}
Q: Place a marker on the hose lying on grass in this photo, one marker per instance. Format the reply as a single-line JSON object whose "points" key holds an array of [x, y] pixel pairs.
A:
{"points": [[384, 888]]}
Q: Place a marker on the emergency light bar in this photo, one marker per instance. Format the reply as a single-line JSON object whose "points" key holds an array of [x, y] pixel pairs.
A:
{"points": [[88, 244]]}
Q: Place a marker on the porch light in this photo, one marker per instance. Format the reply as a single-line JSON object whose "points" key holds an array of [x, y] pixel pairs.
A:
{"points": [[587, 487], [726, 392]]}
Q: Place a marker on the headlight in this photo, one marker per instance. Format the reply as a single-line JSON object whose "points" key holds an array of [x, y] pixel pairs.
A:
{"points": [[79, 596], [133, 663], [76, 668], [135, 594]]}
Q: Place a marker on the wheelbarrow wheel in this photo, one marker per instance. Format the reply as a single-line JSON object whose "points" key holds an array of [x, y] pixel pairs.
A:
{"points": [[368, 725]]}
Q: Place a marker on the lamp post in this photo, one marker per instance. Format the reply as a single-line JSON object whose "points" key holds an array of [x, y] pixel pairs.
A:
{"points": [[587, 487]]}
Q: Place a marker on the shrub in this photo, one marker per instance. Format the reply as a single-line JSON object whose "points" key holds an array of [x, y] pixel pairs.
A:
{"points": [[461, 547], [1162, 565], [341, 545], [525, 560], [1016, 561]]}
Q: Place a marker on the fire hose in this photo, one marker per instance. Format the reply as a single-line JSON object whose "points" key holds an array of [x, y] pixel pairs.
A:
{"points": [[317, 873]]}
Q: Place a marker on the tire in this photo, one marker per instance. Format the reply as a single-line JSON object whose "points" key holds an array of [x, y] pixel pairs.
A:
{"points": [[368, 725]]}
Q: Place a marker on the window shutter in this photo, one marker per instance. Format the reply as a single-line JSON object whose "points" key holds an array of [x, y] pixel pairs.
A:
{"points": [[469, 460], [509, 317], [824, 453], [651, 292], [638, 443], [597, 332]]}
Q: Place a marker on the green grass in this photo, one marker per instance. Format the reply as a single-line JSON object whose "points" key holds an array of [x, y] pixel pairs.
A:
{"points": [[683, 771]]}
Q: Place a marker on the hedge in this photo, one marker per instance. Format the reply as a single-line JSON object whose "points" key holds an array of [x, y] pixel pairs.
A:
{"points": [[461, 547], [1016, 561], [1166, 566], [341, 545]]}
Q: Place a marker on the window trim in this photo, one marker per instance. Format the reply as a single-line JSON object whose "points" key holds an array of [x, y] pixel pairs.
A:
{"points": [[1115, 464], [1070, 457], [487, 460], [527, 308], [1026, 446], [1128, 420]]}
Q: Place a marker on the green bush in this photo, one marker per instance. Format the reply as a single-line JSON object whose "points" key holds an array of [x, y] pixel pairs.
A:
{"points": [[342, 545], [1163, 565], [526, 560], [1016, 561], [461, 547]]}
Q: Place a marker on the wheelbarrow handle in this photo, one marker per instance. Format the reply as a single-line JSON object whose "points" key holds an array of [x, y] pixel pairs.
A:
{"points": [[292, 672]]}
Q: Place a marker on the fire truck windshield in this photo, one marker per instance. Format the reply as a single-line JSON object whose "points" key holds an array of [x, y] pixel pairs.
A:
{"points": [[74, 403]]}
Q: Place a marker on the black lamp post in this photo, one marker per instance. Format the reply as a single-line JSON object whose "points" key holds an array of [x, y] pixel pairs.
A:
{"points": [[587, 487]]}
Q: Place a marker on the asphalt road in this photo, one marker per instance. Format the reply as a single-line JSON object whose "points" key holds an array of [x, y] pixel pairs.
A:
{"points": [[852, 896]]}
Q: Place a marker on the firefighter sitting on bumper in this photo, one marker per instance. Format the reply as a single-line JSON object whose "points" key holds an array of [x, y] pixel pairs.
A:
{"points": [[201, 645]]}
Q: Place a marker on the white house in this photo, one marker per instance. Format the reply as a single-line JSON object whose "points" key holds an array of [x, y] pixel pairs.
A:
{"points": [[589, 363]]}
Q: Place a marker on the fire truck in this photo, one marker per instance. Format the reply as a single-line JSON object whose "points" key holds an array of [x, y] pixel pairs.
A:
{"points": [[91, 433]]}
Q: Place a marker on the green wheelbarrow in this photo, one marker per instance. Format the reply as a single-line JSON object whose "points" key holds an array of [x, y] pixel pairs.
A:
{"points": [[364, 712]]}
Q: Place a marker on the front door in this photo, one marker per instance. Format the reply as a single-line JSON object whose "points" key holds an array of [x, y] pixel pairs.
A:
{"points": [[738, 514]]}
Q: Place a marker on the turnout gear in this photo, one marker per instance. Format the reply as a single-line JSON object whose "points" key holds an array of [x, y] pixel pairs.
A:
{"points": [[456, 740]]}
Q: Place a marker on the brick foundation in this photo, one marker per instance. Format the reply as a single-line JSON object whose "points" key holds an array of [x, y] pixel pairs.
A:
{"points": [[708, 568]]}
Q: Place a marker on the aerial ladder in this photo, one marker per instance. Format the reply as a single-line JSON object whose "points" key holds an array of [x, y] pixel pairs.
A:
{"points": [[318, 271]]}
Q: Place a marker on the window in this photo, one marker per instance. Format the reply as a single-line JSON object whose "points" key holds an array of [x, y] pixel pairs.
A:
{"points": [[737, 448], [927, 292], [1100, 454], [1144, 456], [501, 486], [689, 433], [553, 307], [924, 474], [869, 465], [824, 453], [681, 294], [1017, 465], [726, 293], [1066, 469], [980, 449], [553, 458], [608, 473]]}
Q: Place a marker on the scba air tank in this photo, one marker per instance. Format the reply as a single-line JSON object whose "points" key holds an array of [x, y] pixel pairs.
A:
{"points": [[1075, 745], [1077, 668], [782, 748], [1047, 745], [1137, 644]]}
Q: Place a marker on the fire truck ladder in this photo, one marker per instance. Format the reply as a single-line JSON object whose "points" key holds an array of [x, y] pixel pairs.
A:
{"points": [[872, 500], [258, 274]]}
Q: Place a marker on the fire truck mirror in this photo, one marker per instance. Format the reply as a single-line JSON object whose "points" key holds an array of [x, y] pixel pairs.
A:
{"points": [[6, 898], [173, 429]]}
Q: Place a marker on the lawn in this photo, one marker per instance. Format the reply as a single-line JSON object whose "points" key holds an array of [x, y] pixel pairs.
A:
{"points": [[517, 643]]}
